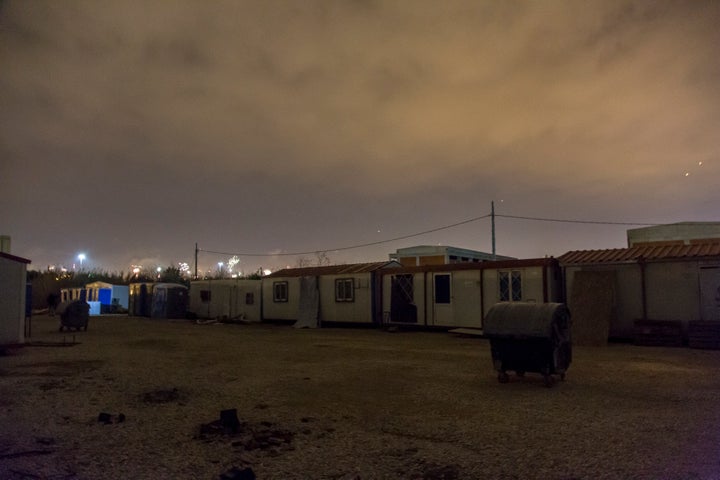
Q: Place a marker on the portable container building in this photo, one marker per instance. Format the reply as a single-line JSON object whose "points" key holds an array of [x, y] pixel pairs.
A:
{"points": [[329, 294], [13, 284], [227, 299], [140, 299], [678, 283], [460, 295], [68, 295], [169, 300], [106, 298]]}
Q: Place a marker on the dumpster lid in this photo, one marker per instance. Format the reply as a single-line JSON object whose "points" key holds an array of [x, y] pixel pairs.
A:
{"points": [[524, 319]]}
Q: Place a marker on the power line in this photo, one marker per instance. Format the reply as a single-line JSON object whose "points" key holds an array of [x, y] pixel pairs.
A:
{"points": [[470, 220], [379, 242], [593, 222]]}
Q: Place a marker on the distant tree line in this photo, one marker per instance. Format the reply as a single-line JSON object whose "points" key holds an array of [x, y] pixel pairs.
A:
{"points": [[50, 282]]}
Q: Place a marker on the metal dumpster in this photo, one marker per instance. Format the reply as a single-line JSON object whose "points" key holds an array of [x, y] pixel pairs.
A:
{"points": [[529, 337], [75, 315]]}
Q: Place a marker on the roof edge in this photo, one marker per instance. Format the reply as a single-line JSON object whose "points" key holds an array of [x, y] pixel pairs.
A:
{"points": [[14, 258]]}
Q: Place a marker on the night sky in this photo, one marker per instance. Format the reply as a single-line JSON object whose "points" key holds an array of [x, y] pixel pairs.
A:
{"points": [[131, 130]]}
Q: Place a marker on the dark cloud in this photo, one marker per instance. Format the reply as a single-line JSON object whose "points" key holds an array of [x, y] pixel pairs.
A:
{"points": [[261, 126]]}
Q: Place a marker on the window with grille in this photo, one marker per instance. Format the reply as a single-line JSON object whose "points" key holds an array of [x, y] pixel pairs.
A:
{"points": [[516, 285], [280, 291], [344, 290], [510, 286]]}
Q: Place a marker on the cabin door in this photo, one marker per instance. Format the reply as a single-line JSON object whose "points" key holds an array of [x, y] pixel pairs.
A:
{"points": [[443, 309], [402, 304], [710, 293]]}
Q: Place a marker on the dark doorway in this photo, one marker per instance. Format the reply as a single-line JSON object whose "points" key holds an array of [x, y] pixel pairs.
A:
{"points": [[402, 306]]}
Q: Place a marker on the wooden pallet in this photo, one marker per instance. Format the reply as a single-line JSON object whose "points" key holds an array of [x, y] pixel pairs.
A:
{"points": [[659, 333], [704, 334]]}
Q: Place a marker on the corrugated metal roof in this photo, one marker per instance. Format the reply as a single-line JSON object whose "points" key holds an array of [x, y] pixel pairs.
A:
{"points": [[645, 252], [333, 269], [454, 267]]}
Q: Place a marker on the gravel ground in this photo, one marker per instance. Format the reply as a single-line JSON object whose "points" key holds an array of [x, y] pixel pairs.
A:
{"points": [[345, 404]]}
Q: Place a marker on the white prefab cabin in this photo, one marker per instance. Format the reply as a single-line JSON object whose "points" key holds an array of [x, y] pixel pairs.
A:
{"points": [[13, 281], [226, 299], [645, 282], [460, 295], [330, 294]]}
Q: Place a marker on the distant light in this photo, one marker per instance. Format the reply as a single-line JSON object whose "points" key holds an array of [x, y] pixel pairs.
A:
{"points": [[700, 163], [267, 271], [159, 269], [136, 270], [687, 174]]}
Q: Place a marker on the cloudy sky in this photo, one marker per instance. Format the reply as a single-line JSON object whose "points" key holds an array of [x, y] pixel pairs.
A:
{"points": [[132, 130]]}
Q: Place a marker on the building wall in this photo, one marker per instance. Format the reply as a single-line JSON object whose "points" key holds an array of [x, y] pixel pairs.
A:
{"points": [[681, 233], [627, 306], [418, 296], [357, 311], [228, 299], [472, 293], [12, 301], [533, 289], [464, 309], [422, 260], [672, 291], [280, 310]]}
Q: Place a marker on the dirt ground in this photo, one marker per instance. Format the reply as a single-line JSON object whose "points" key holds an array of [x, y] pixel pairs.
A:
{"points": [[345, 404]]}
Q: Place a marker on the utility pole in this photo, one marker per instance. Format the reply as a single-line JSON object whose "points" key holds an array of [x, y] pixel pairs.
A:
{"points": [[492, 217], [196, 251]]}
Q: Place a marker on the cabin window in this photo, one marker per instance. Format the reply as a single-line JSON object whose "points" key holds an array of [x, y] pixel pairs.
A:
{"points": [[205, 296], [442, 288], [344, 290], [510, 286], [249, 298], [280, 291]]}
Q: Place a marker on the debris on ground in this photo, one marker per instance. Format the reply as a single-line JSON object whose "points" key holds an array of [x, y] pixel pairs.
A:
{"points": [[161, 396], [235, 473], [108, 418]]}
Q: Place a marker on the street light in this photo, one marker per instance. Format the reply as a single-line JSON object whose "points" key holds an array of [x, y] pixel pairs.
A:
{"points": [[81, 257]]}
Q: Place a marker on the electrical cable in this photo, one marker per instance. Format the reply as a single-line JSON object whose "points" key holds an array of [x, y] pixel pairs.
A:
{"points": [[593, 222], [379, 242]]}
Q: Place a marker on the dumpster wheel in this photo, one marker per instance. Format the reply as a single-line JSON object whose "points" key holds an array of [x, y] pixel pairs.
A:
{"points": [[503, 377]]}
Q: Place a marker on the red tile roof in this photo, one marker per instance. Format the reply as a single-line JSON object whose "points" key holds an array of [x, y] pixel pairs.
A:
{"points": [[646, 252]]}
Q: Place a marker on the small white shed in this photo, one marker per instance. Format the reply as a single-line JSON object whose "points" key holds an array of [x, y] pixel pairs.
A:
{"points": [[13, 281]]}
